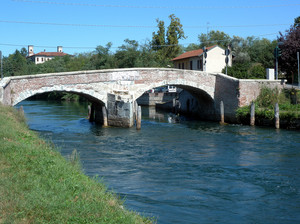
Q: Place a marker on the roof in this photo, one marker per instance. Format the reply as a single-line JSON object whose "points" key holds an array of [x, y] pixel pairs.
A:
{"points": [[194, 53], [50, 54]]}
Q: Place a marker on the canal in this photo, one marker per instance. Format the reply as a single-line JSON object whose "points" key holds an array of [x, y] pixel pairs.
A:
{"points": [[188, 172]]}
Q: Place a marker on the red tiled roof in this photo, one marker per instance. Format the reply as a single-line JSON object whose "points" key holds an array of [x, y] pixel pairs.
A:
{"points": [[50, 54], [190, 54]]}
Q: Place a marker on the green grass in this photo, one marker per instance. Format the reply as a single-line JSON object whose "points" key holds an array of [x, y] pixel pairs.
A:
{"points": [[38, 185], [265, 104]]}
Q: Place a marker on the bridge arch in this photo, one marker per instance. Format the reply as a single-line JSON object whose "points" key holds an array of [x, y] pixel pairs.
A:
{"points": [[89, 95], [181, 83]]}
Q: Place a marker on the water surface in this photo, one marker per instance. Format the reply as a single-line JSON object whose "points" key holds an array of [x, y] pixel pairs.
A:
{"points": [[192, 172]]}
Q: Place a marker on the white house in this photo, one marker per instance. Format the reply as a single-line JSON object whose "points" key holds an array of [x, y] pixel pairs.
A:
{"points": [[195, 60], [44, 56]]}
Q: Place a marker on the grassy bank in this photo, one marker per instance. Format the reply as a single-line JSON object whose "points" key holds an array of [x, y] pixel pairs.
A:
{"points": [[289, 108], [38, 185]]}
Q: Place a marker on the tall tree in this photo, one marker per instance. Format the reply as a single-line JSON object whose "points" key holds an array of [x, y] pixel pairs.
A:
{"points": [[158, 39], [240, 47], [166, 43], [214, 38], [290, 44], [174, 34], [261, 51]]}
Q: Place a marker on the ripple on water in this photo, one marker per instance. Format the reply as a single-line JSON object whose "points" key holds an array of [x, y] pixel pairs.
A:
{"points": [[193, 172]]}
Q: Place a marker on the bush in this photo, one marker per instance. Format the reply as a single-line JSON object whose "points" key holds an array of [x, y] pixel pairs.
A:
{"points": [[264, 107], [257, 71]]}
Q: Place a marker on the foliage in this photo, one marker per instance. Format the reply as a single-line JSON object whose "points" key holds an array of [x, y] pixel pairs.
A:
{"points": [[159, 39], [16, 64], [261, 51], [268, 97], [257, 71], [166, 43], [264, 107], [238, 70], [38, 185], [174, 34], [289, 47], [103, 59], [214, 38], [128, 54]]}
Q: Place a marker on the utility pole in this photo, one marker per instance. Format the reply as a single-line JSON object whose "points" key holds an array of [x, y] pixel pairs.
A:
{"points": [[1, 69]]}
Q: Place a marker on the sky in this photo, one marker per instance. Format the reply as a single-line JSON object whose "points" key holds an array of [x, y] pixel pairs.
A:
{"points": [[82, 25]]}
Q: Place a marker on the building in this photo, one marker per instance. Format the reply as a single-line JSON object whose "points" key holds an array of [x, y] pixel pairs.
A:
{"points": [[195, 60], [44, 56]]}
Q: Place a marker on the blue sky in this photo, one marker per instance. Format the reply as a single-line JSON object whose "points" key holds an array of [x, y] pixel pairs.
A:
{"points": [[47, 23]]}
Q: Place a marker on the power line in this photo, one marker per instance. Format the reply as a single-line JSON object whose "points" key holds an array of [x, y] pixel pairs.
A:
{"points": [[78, 25], [155, 7], [136, 26]]}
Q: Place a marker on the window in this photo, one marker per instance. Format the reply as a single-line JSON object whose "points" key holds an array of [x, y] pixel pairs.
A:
{"points": [[191, 65], [182, 65], [37, 59], [179, 65]]}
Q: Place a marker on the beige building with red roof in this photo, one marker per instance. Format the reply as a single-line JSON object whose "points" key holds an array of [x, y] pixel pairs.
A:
{"points": [[44, 56], [195, 60]]}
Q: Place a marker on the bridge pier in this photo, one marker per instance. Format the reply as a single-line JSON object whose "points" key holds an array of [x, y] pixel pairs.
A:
{"points": [[96, 113], [119, 112]]}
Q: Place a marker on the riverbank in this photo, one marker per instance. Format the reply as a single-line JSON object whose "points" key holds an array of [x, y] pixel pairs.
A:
{"points": [[38, 185], [289, 109]]}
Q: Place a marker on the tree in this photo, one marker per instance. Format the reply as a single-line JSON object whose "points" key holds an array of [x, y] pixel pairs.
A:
{"points": [[16, 64], [214, 38], [192, 47], [297, 22], [103, 59], [148, 57], [261, 51], [239, 47], [24, 52], [174, 34], [158, 39], [166, 43], [127, 54], [290, 44]]}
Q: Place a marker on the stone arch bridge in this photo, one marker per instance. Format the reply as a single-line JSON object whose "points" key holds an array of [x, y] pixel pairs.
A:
{"points": [[118, 89]]}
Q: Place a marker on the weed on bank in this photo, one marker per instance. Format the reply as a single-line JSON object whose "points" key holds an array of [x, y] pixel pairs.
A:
{"points": [[38, 185]]}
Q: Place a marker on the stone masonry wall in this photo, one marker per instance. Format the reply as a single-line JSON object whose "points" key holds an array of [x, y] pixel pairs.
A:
{"points": [[250, 89]]}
